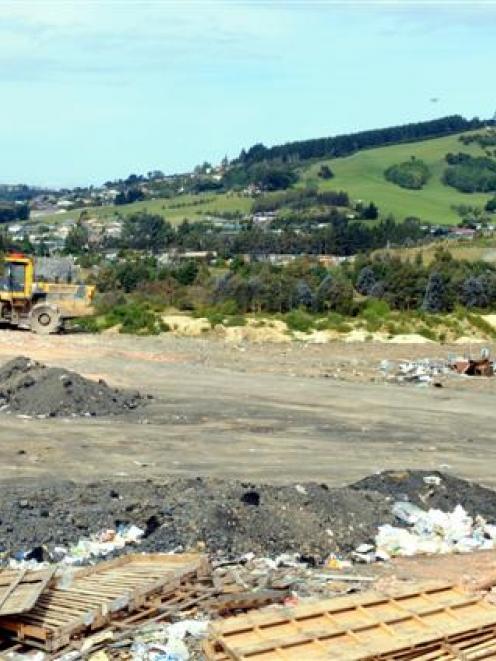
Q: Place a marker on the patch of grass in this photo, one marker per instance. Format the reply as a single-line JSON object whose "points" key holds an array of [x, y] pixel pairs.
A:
{"points": [[427, 332], [482, 325], [331, 322], [235, 320], [343, 327], [174, 209]]}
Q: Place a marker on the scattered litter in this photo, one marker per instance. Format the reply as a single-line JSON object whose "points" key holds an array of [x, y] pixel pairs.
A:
{"points": [[432, 479], [101, 544]]}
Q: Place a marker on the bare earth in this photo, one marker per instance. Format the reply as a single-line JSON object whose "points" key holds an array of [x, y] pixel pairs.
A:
{"points": [[273, 413]]}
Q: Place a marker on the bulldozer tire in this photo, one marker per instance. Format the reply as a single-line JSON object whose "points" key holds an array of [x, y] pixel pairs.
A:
{"points": [[45, 319]]}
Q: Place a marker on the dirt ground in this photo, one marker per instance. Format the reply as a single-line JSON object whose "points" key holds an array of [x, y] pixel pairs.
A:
{"points": [[272, 413]]}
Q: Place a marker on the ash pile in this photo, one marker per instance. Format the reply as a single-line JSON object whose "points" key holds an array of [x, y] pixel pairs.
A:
{"points": [[32, 389]]}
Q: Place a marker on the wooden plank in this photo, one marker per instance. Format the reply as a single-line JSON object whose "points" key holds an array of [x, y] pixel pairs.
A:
{"points": [[93, 596], [344, 629], [22, 589]]}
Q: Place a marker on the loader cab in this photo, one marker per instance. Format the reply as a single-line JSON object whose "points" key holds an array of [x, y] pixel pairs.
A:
{"points": [[17, 279]]}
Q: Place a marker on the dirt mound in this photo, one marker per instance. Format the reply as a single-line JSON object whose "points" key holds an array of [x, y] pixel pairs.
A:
{"points": [[228, 518], [33, 389], [444, 492]]}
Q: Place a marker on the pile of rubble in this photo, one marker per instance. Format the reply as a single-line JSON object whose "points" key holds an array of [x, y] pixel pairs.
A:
{"points": [[31, 389], [424, 371]]}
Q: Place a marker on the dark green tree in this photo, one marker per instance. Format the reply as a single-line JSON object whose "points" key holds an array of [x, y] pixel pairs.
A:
{"points": [[325, 172], [145, 231], [76, 241], [435, 297]]}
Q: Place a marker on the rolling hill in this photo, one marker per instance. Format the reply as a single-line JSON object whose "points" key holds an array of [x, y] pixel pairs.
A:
{"points": [[361, 175]]}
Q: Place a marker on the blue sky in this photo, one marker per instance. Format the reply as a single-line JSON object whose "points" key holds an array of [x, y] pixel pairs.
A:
{"points": [[93, 90]]}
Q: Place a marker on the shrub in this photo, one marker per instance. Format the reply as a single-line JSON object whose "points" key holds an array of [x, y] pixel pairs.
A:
{"points": [[376, 307], [299, 320], [88, 324], [236, 320], [331, 322], [411, 174], [215, 318], [136, 319]]}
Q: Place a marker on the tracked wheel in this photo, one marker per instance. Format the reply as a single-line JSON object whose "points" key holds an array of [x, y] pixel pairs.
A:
{"points": [[45, 319]]}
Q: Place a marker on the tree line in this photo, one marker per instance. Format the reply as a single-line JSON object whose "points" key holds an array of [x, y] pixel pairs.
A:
{"points": [[344, 145], [10, 212], [306, 284], [331, 232]]}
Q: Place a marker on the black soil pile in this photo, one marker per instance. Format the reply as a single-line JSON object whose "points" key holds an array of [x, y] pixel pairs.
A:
{"points": [[33, 389], [227, 518], [416, 486]]}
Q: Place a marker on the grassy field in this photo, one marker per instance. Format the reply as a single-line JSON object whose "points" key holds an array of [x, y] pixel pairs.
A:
{"points": [[362, 177], [175, 209]]}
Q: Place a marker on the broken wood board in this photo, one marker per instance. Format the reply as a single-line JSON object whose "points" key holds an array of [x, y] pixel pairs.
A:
{"points": [[368, 626], [90, 598], [20, 589]]}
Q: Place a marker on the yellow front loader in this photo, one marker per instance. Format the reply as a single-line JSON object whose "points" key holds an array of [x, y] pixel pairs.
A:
{"points": [[43, 307]]}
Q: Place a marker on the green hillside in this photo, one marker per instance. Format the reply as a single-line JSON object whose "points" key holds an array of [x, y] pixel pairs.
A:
{"points": [[174, 209], [362, 177]]}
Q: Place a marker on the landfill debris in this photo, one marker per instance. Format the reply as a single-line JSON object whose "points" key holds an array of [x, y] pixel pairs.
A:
{"points": [[166, 642], [434, 531], [387, 514], [414, 622], [421, 371], [425, 371], [432, 479], [30, 389], [99, 545]]}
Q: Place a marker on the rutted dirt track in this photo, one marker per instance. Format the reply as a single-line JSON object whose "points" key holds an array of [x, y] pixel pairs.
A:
{"points": [[266, 413]]}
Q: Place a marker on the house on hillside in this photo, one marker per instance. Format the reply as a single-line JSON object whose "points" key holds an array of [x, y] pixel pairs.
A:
{"points": [[465, 233]]}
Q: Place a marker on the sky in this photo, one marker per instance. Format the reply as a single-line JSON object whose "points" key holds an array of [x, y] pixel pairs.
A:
{"points": [[93, 90]]}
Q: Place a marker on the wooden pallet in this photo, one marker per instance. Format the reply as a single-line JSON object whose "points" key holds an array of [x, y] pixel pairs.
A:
{"points": [[20, 589], [95, 595], [371, 626]]}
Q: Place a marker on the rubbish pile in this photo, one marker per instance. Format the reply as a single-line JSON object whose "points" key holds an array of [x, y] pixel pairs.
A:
{"points": [[433, 531], [31, 389], [76, 603], [425, 371], [227, 518], [148, 606], [101, 544], [180, 607], [422, 371]]}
